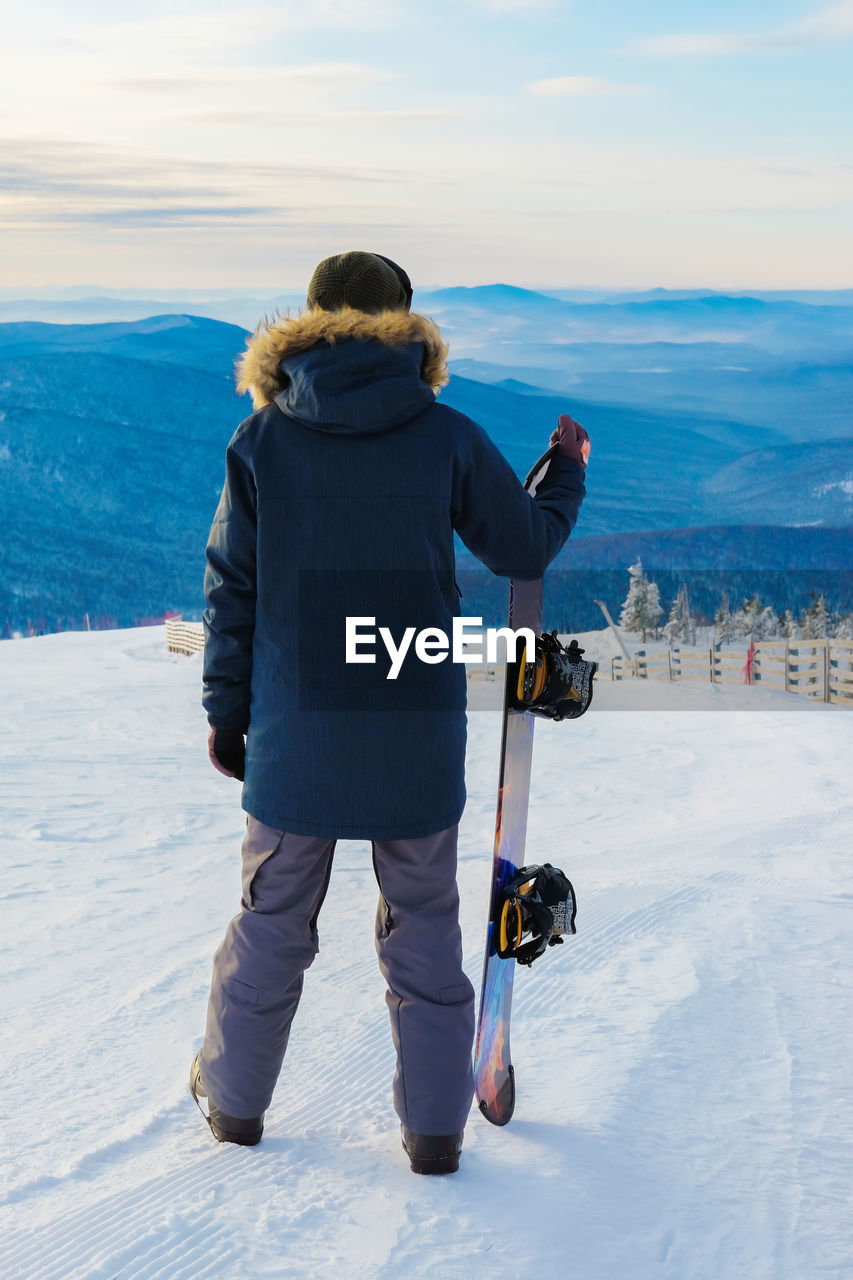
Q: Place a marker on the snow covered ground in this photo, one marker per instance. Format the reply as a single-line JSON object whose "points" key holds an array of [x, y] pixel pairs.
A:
{"points": [[683, 1063]]}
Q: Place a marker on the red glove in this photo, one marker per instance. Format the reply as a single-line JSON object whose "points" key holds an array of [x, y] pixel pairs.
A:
{"points": [[572, 439]]}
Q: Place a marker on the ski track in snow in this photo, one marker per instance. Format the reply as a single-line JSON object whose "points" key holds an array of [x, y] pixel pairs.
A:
{"points": [[682, 1063]]}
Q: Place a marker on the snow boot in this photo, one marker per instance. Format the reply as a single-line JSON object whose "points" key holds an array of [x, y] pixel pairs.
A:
{"points": [[429, 1154], [246, 1133]]}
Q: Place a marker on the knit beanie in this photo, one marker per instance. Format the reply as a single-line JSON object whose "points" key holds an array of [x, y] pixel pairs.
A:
{"points": [[364, 281]]}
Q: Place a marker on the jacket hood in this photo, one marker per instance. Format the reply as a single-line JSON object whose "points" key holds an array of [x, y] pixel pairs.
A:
{"points": [[345, 370]]}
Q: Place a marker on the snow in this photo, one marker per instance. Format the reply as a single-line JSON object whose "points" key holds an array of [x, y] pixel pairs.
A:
{"points": [[683, 1063], [846, 486]]}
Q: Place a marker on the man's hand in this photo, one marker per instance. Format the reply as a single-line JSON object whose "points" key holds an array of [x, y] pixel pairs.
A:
{"points": [[227, 751], [572, 439]]}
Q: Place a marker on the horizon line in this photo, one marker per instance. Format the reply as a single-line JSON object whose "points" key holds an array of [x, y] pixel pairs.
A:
{"points": [[24, 293]]}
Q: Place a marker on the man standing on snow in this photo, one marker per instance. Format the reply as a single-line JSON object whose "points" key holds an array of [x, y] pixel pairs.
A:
{"points": [[342, 493]]}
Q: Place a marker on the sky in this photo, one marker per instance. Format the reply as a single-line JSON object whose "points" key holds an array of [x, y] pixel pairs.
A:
{"points": [[545, 143]]}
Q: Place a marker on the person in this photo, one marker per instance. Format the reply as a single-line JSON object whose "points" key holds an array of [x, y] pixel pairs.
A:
{"points": [[342, 492]]}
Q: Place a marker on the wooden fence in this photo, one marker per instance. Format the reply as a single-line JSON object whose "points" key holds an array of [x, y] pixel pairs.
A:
{"points": [[184, 637], [820, 669]]}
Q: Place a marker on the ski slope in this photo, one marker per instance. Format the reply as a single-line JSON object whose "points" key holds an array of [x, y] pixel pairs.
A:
{"points": [[683, 1064]]}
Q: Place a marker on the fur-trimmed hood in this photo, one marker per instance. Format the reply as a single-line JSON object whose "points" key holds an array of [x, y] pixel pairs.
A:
{"points": [[259, 368]]}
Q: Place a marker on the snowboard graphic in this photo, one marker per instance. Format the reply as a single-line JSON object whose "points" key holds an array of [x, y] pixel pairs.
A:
{"points": [[493, 1073]]}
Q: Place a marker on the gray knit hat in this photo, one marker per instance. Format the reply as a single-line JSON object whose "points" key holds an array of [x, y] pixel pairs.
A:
{"points": [[364, 281]]}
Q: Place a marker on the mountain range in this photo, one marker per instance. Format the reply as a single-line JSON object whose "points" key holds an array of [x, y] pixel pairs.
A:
{"points": [[112, 440]]}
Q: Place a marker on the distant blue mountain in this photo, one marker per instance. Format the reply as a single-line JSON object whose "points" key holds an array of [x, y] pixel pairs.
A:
{"points": [[562, 361], [788, 484], [647, 470], [494, 297], [808, 323], [521, 316], [799, 399], [94, 309], [193, 341], [112, 442], [814, 297]]}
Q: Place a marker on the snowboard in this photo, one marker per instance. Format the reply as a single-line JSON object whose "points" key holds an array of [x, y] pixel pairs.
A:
{"points": [[494, 1078]]}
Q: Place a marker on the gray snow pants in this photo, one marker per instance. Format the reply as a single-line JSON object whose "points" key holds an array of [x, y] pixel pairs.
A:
{"points": [[258, 968]]}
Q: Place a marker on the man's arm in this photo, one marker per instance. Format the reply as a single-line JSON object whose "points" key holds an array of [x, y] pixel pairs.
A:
{"points": [[514, 534], [230, 589]]}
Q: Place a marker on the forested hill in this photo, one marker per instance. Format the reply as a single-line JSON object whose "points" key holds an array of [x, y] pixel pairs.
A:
{"points": [[112, 443]]}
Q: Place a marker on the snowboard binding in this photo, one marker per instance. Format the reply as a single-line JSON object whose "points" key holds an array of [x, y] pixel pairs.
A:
{"points": [[558, 684], [538, 901]]}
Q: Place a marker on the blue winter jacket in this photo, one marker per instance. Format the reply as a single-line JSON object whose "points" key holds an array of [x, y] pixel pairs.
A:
{"points": [[341, 495]]}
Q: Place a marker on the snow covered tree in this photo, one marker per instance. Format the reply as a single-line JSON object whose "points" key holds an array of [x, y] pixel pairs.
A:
{"points": [[642, 608], [756, 621], [723, 622], [767, 624], [788, 628], [745, 618], [675, 628], [815, 623], [844, 627], [681, 626]]}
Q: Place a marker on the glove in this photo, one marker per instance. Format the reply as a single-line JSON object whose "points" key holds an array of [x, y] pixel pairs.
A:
{"points": [[572, 439], [227, 751]]}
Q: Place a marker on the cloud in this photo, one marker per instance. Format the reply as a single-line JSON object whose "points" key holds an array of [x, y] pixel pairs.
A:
{"points": [[199, 32], [46, 182], [207, 52], [47, 164], [827, 24], [343, 75], [833, 23], [160, 215], [514, 6], [242, 116], [786, 171], [48, 216], [688, 44], [583, 87]]}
